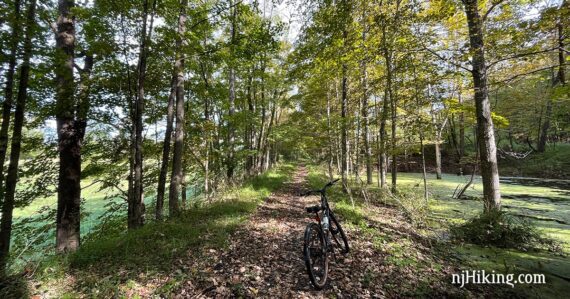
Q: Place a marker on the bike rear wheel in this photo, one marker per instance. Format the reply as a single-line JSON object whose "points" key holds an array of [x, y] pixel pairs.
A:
{"points": [[338, 235], [316, 257]]}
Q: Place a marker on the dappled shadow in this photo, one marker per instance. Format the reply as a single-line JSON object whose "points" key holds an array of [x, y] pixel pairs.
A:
{"points": [[265, 259], [152, 260]]}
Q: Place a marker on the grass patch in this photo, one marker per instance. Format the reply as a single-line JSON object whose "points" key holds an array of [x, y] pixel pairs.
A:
{"points": [[113, 260]]}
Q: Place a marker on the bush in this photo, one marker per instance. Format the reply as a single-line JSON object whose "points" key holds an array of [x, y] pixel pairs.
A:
{"points": [[13, 287], [503, 230]]}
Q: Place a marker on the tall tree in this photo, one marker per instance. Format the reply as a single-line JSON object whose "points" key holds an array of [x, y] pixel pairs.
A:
{"points": [[485, 130], [9, 91], [15, 147], [177, 177], [136, 207], [70, 132], [166, 148], [365, 121], [232, 89], [344, 99]]}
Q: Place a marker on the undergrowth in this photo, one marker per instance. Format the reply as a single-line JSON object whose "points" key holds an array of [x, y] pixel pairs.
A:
{"points": [[111, 255], [503, 230]]}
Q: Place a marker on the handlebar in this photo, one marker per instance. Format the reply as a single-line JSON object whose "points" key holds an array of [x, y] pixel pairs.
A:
{"points": [[321, 190]]}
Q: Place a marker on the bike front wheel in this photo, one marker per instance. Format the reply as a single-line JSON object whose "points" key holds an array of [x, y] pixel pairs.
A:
{"points": [[338, 235], [316, 257]]}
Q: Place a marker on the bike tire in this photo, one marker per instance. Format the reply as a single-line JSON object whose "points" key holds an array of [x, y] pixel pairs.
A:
{"points": [[337, 230], [314, 248]]}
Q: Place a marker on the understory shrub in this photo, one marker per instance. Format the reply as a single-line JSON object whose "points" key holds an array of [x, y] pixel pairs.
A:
{"points": [[503, 230]]}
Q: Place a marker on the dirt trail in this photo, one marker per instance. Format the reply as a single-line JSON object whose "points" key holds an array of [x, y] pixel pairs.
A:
{"points": [[265, 260], [265, 256]]}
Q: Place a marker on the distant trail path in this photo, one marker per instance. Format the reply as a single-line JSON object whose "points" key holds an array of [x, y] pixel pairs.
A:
{"points": [[265, 260]]}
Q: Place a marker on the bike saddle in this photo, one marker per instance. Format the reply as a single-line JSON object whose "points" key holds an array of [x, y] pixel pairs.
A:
{"points": [[313, 209]]}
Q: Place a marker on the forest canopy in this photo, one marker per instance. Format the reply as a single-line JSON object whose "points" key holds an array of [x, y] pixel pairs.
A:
{"points": [[118, 114]]}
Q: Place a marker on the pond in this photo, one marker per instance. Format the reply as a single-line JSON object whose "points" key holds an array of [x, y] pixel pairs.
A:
{"points": [[544, 201]]}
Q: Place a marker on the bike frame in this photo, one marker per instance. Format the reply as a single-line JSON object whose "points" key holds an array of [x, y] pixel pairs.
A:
{"points": [[327, 212]]}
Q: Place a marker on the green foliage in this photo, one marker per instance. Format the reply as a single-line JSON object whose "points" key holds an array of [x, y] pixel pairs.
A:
{"points": [[503, 230], [110, 250], [553, 163]]}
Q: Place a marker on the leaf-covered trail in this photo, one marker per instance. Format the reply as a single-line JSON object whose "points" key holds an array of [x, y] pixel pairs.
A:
{"points": [[264, 258]]}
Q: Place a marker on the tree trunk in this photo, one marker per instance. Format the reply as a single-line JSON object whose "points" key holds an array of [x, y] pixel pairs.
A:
{"points": [[69, 191], [177, 177], [424, 174], [461, 125], [344, 122], [485, 131], [232, 83], [12, 178], [383, 157], [250, 135], [365, 120], [166, 149], [437, 154], [330, 140], [390, 95], [136, 209], [9, 93]]}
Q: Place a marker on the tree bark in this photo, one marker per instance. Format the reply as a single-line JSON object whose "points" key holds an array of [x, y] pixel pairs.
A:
{"points": [[437, 155], [166, 149], [393, 106], [12, 178], [330, 139], [69, 191], [177, 177], [136, 207], [9, 93], [344, 122], [485, 131], [424, 174], [232, 83]]}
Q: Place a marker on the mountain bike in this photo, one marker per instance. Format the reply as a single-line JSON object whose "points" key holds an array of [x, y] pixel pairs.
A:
{"points": [[322, 238]]}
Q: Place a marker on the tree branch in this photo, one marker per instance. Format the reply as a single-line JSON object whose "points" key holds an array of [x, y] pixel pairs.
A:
{"points": [[445, 59], [528, 73], [520, 55], [484, 18]]}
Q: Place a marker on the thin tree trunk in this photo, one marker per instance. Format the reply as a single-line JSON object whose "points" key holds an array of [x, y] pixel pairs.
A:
{"points": [[232, 82], [424, 174], [330, 141], [461, 124], [365, 120], [263, 121], [437, 155], [485, 131], [344, 122], [177, 177], [250, 135], [136, 209], [393, 106], [166, 150], [12, 177], [9, 92]]}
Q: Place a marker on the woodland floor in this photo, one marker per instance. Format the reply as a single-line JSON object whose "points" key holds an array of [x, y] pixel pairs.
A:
{"points": [[264, 257]]}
